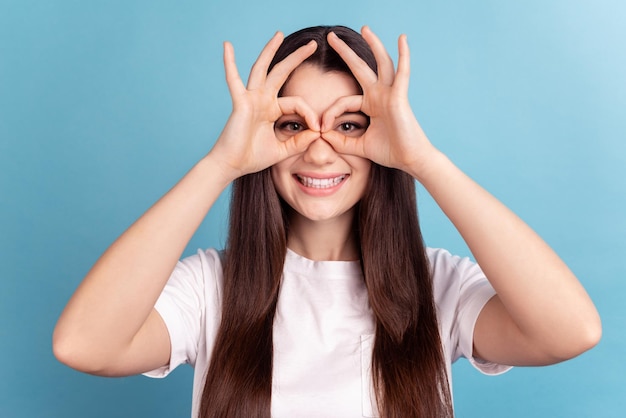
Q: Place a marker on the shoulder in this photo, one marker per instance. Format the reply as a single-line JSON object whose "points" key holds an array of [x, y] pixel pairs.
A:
{"points": [[450, 272], [208, 261], [190, 308], [446, 266], [457, 281], [461, 290], [198, 274]]}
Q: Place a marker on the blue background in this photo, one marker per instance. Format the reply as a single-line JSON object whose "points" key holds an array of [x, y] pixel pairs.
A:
{"points": [[104, 105]]}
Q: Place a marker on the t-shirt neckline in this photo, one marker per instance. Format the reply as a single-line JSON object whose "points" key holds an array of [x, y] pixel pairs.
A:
{"points": [[299, 264]]}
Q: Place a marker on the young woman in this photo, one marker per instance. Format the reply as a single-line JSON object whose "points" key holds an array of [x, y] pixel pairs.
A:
{"points": [[325, 301]]}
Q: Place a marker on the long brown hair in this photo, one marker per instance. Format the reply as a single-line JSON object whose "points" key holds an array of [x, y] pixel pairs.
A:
{"points": [[409, 371]]}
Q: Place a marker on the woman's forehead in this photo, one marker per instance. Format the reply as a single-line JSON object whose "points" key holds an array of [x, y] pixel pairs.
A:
{"points": [[319, 87]]}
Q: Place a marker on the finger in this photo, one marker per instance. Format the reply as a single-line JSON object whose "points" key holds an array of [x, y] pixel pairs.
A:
{"points": [[233, 80], [258, 73], [386, 72], [299, 143], [361, 71], [281, 71], [404, 65], [291, 105], [343, 144], [342, 105]]}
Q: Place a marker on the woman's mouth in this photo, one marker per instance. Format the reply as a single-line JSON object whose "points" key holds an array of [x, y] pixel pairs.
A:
{"points": [[320, 183]]}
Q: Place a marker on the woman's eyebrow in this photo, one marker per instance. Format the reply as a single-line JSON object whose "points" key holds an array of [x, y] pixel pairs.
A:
{"points": [[359, 113], [294, 115]]}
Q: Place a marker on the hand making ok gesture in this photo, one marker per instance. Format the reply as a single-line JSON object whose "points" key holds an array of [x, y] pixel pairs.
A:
{"points": [[394, 138], [248, 142]]}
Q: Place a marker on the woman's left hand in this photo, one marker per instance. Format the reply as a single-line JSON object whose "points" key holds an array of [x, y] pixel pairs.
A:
{"points": [[520, 325], [394, 138]]}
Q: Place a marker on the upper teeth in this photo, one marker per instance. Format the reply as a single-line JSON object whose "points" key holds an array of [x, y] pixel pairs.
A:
{"points": [[320, 183]]}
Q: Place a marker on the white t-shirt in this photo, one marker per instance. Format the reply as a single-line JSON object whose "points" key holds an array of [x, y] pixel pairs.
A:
{"points": [[323, 329]]}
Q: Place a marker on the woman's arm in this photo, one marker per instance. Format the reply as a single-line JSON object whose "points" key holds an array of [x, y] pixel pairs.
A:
{"points": [[541, 313], [109, 326]]}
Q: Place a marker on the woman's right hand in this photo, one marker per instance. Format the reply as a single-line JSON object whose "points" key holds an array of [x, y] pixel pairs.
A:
{"points": [[248, 143], [110, 326]]}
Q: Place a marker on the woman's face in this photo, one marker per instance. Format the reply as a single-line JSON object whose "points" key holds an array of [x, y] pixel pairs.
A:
{"points": [[321, 184]]}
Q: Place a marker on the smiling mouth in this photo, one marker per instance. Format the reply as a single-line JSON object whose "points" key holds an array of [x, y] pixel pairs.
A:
{"points": [[316, 183]]}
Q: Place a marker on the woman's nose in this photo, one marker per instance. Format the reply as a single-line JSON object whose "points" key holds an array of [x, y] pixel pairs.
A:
{"points": [[320, 152]]}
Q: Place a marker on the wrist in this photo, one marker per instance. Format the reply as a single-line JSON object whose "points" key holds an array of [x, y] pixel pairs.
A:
{"points": [[429, 166], [217, 169]]}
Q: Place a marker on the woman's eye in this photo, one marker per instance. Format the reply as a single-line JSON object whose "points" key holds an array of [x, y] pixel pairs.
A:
{"points": [[285, 129], [292, 126], [349, 127]]}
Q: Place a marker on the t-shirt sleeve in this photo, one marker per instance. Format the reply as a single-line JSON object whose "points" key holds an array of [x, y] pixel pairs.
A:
{"points": [[183, 306], [461, 291]]}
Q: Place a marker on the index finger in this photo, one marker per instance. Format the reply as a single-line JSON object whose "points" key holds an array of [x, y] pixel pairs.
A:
{"points": [[233, 80], [386, 71], [346, 104], [361, 71], [260, 66], [281, 71]]}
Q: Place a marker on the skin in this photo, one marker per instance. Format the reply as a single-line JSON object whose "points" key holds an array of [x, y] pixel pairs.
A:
{"points": [[325, 214], [540, 315]]}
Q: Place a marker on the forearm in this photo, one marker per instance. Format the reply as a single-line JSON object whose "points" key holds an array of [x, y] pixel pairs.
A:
{"points": [[540, 303], [539, 292], [117, 295]]}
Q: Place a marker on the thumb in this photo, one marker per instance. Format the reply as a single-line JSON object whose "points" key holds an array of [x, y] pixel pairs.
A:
{"points": [[343, 144], [298, 143]]}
